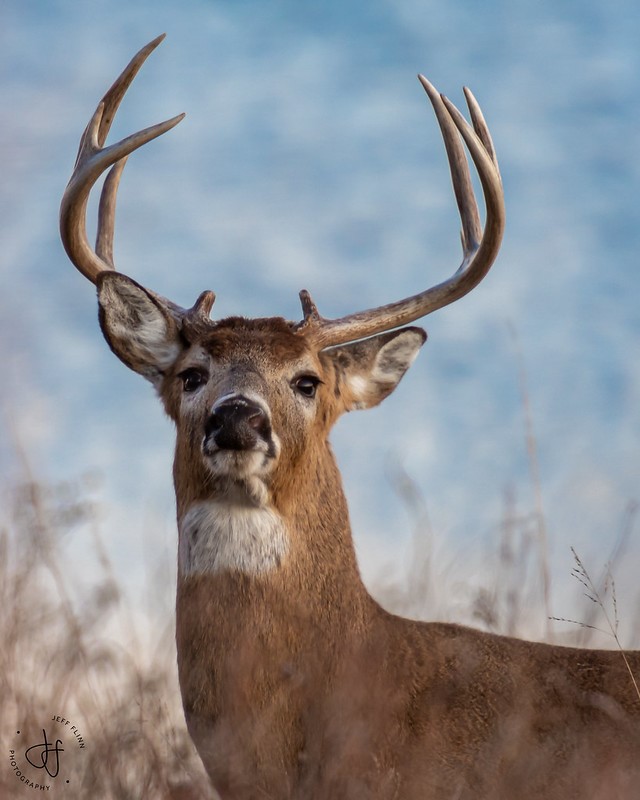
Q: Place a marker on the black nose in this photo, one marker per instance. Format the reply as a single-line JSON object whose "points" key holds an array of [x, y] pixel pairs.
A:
{"points": [[237, 424]]}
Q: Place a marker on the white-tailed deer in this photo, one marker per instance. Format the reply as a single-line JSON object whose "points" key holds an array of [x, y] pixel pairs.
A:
{"points": [[295, 683]]}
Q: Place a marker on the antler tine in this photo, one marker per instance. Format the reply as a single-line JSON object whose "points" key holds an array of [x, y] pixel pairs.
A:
{"points": [[471, 231], [93, 159], [480, 126], [107, 213], [480, 248], [478, 261]]}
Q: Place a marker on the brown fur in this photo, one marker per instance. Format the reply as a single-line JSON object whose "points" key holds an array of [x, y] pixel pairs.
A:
{"points": [[296, 684]]}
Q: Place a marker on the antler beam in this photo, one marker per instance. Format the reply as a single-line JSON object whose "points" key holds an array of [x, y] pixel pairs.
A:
{"points": [[479, 247], [92, 161]]}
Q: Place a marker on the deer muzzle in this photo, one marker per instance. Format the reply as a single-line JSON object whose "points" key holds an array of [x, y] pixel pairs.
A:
{"points": [[238, 423]]}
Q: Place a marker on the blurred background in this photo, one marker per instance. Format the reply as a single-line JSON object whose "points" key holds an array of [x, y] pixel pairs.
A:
{"points": [[310, 158]]}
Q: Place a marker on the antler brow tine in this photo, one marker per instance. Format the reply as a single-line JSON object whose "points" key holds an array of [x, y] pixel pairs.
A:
{"points": [[479, 247], [93, 159]]}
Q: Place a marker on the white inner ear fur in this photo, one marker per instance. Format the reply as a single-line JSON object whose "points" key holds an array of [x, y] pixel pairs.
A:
{"points": [[389, 365], [138, 330], [359, 386], [220, 536], [395, 358]]}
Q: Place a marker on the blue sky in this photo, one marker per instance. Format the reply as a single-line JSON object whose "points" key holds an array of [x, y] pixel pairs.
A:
{"points": [[310, 158]]}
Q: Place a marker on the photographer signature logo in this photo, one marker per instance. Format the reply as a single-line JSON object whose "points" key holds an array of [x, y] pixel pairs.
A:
{"points": [[42, 759], [45, 757]]}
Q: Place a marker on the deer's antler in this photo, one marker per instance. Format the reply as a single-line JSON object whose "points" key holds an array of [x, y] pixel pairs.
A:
{"points": [[92, 161], [479, 247]]}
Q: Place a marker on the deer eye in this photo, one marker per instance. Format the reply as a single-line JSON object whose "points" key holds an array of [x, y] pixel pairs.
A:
{"points": [[306, 385], [192, 379]]}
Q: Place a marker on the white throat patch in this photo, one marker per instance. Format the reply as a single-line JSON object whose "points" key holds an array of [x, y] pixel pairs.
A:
{"points": [[220, 536]]}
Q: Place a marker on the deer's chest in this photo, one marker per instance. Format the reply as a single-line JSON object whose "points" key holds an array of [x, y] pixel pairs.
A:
{"points": [[219, 537]]}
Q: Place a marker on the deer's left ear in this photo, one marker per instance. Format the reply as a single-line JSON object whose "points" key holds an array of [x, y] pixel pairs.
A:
{"points": [[368, 371], [138, 329]]}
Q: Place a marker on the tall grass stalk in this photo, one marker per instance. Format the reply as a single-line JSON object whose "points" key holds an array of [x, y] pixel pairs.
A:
{"points": [[592, 593]]}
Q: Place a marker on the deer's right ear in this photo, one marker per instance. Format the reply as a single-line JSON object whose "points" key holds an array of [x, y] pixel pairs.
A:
{"points": [[136, 326]]}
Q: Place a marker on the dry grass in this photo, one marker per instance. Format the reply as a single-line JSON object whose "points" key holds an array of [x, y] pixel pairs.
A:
{"points": [[58, 658]]}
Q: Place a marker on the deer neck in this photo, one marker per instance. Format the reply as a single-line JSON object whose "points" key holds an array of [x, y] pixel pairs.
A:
{"points": [[297, 539], [294, 605]]}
